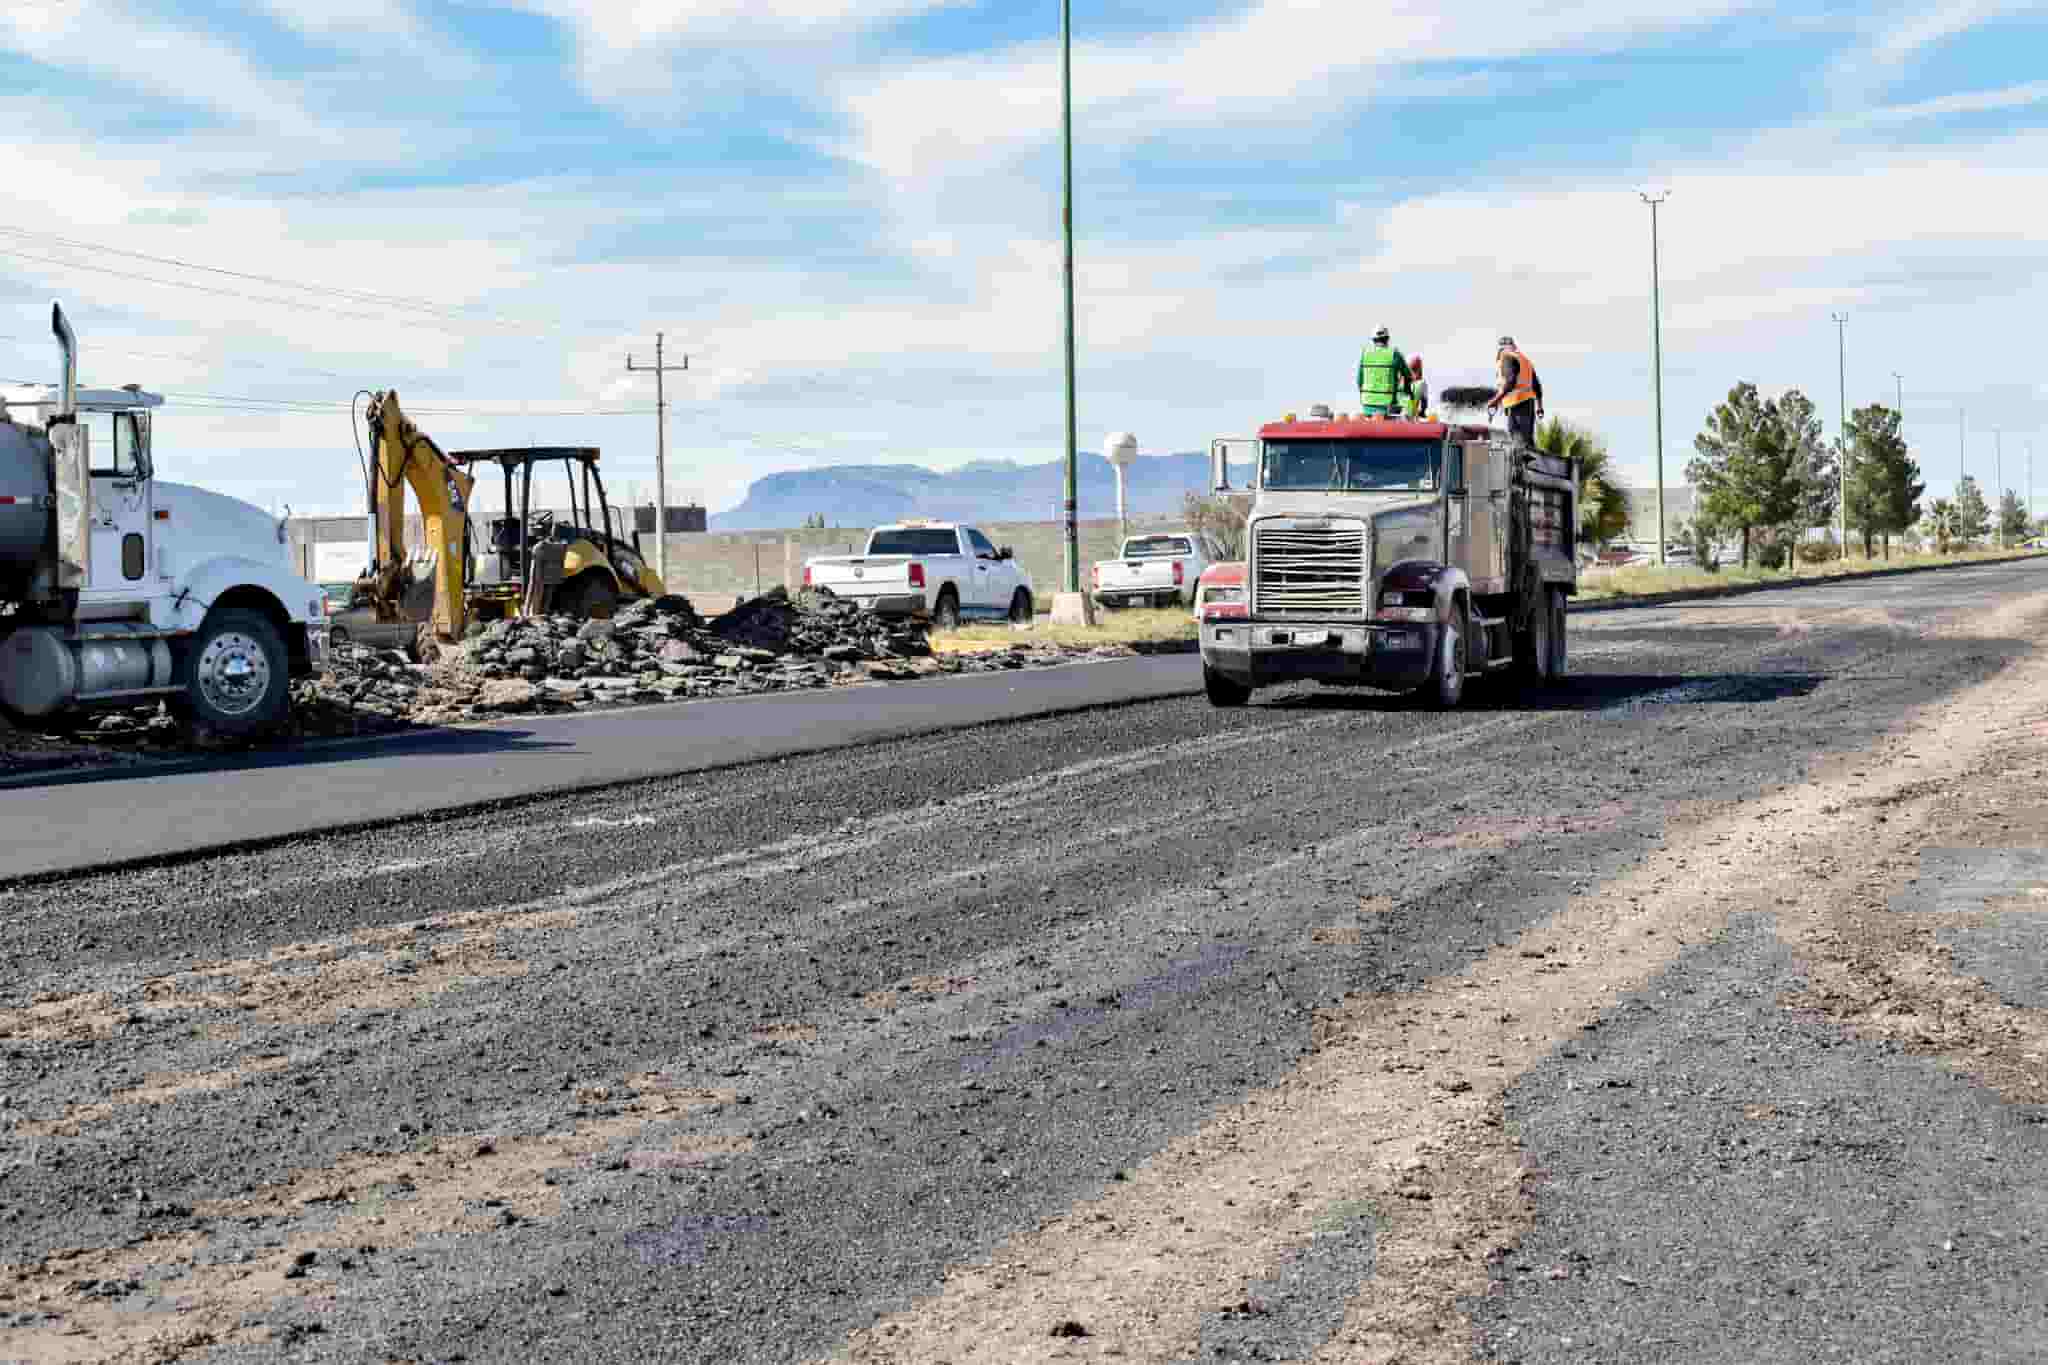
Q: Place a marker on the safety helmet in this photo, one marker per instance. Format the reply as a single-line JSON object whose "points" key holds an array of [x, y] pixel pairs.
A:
{"points": [[1381, 335], [1415, 364], [1507, 343]]}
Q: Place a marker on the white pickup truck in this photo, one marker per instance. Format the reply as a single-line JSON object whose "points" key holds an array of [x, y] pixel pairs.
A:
{"points": [[933, 570], [1151, 569]]}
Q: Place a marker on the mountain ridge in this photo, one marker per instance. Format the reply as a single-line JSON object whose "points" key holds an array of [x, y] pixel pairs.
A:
{"points": [[981, 490]]}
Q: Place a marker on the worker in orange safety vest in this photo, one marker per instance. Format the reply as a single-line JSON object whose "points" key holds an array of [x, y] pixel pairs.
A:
{"points": [[1520, 391]]}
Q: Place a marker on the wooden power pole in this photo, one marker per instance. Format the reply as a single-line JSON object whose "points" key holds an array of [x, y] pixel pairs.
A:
{"points": [[660, 454]]}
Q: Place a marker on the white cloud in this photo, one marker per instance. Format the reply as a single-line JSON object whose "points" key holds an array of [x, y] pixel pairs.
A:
{"points": [[174, 64]]}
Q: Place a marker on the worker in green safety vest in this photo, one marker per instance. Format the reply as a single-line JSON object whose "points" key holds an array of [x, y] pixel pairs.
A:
{"points": [[1382, 376]]}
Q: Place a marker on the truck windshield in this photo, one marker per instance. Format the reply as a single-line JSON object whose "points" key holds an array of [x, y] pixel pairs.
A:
{"points": [[913, 541], [1351, 466], [1157, 547]]}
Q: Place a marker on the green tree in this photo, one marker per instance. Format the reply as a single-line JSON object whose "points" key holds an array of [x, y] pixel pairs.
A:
{"points": [[1746, 476], [1884, 479], [1973, 515], [1941, 524], [1220, 518], [1603, 502], [2012, 518]]}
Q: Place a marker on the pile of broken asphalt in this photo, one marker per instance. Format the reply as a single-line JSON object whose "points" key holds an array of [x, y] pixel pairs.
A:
{"points": [[654, 650]]}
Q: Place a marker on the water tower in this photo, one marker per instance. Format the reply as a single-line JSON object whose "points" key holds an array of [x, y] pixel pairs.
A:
{"points": [[1120, 448]]}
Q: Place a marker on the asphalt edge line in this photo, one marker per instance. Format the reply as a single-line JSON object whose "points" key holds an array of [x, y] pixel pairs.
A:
{"points": [[1659, 599], [506, 804]]}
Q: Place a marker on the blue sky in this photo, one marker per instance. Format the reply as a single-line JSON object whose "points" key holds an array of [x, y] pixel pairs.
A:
{"points": [[846, 213]]}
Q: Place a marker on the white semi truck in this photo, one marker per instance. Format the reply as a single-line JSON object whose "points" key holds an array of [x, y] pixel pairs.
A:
{"points": [[118, 588]]}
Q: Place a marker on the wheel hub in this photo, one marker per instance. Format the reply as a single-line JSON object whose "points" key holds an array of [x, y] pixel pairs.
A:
{"points": [[233, 673]]}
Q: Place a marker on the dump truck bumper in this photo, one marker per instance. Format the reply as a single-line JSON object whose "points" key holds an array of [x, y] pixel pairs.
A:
{"points": [[1260, 654]]}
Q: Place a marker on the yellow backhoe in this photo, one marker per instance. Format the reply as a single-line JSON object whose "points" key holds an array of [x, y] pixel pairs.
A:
{"points": [[402, 456], [535, 563]]}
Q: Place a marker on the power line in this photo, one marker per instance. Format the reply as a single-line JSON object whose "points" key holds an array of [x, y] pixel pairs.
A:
{"points": [[357, 295], [184, 284]]}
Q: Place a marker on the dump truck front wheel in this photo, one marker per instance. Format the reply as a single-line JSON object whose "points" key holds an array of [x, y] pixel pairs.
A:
{"points": [[236, 676], [1223, 690]]}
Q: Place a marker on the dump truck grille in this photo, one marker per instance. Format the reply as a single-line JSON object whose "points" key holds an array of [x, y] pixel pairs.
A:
{"points": [[1309, 570]]}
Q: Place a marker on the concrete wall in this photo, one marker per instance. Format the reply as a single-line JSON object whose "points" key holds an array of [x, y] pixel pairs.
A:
{"points": [[743, 562], [725, 561]]}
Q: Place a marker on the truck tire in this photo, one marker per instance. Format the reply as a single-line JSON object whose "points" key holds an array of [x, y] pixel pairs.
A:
{"points": [[236, 677], [1446, 685], [1534, 650], [1020, 607], [1559, 655], [946, 611], [1224, 691]]}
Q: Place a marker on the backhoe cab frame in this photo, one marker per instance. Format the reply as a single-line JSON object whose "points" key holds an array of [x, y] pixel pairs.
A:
{"points": [[532, 564]]}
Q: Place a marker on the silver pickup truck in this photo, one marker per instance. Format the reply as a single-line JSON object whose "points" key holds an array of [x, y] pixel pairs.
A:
{"points": [[932, 570]]}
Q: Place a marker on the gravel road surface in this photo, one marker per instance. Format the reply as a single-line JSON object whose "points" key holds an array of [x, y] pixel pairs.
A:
{"points": [[1688, 1012]]}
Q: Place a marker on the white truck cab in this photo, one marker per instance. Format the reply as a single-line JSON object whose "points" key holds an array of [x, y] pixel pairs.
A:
{"points": [[117, 587]]}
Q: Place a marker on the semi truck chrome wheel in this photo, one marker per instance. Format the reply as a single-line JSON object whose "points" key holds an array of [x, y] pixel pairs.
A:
{"points": [[236, 675], [232, 673]]}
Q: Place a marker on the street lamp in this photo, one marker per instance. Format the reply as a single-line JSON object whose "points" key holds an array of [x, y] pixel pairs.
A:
{"points": [[1657, 358], [1072, 531], [1842, 465], [1998, 477]]}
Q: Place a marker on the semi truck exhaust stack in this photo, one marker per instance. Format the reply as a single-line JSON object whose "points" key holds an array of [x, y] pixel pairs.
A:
{"points": [[68, 343]]}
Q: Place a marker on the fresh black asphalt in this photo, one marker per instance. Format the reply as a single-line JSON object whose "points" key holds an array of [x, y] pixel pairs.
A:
{"points": [[960, 980]]}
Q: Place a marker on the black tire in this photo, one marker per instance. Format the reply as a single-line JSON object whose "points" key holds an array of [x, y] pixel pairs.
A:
{"points": [[236, 676], [1534, 649], [946, 611], [1224, 691], [1020, 608], [1560, 654], [591, 597], [1446, 685]]}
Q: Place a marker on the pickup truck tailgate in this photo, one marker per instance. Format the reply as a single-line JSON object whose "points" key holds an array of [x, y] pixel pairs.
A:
{"points": [[1136, 575], [878, 582]]}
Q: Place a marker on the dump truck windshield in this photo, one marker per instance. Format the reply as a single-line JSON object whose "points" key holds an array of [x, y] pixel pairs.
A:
{"points": [[1351, 466]]}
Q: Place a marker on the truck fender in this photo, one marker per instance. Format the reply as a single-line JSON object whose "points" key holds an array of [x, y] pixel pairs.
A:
{"points": [[1422, 575], [241, 581]]}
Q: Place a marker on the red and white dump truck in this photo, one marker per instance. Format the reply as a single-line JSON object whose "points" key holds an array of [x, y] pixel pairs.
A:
{"points": [[1404, 555]]}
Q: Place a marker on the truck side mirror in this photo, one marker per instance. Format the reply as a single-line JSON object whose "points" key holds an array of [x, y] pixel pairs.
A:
{"points": [[1005, 552], [1219, 467]]}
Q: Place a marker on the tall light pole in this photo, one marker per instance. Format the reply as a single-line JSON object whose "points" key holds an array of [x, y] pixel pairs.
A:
{"points": [[1998, 477], [1842, 389], [1900, 406], [660, 453], [1657, 358], [1070, 509]]}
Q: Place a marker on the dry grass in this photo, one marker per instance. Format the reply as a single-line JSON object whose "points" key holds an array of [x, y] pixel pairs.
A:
{"points": [[1646, 579], [1130, 626]]}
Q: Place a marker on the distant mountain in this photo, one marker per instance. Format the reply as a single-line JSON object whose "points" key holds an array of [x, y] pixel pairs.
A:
{"points": [[985, 490]]}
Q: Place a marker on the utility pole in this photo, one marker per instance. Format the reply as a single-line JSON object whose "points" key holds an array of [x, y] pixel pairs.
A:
{"points": [[1071, 507], [660, 452], [1900, 406], [1842, 390], [1657, 359]]}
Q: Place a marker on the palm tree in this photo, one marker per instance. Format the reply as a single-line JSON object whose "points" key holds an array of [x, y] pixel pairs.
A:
{"points": [[1945, 522], [1603, 503]]}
